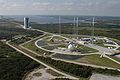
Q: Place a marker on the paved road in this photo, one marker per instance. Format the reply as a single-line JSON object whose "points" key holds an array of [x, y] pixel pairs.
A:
{"points": [[102, 50], [90, 45], [112, 59], [69, 76], [67, 52], [33, 39], [95, 66]]}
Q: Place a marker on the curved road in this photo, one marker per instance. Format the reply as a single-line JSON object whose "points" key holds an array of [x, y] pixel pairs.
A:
{"points": [[69, 76], [102, 50]]}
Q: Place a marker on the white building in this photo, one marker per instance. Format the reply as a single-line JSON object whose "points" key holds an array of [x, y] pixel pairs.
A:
{"points": [[71, 47], [26, 22]]}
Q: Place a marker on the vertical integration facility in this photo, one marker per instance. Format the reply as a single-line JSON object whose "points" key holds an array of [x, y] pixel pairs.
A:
{"points": [[26, 22]]}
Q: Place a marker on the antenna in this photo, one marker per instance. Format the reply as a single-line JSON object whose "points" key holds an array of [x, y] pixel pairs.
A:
{"points": [[77, 24], [59, 24]]}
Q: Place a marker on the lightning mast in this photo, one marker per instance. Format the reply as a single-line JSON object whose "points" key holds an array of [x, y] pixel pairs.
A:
{"points": [[59, 24], [77, 24], [93, 24], [74, 25], [93, 29]]}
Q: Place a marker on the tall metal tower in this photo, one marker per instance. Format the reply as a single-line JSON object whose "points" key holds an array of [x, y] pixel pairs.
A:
{"points": [[59, 24], [74, 25], [77, 24], [93, 25], [93, 29]]}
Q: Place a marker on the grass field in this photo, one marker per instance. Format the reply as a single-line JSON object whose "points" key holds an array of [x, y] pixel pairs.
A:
{"points": [[14, 65], [74, 36], [96, 60], [84, 49], [31, 46], [118, 49], [115, 58], [81, 48]]}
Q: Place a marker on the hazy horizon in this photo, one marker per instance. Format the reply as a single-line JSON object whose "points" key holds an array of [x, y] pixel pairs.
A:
{"points": [[60, 7]]}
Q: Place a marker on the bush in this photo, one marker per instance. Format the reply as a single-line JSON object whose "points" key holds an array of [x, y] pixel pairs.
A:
{"points": [[77, 70]]}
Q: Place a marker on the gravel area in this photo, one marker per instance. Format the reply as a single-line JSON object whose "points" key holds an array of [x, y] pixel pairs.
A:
{"points": [[103, 77], [39, 74]]}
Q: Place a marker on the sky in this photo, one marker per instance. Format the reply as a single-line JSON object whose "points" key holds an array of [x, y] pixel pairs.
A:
{"points": [[60, 7]]}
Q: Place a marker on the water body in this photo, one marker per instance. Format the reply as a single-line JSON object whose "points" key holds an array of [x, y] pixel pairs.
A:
{"points": [[44, 19], [67, 57]]}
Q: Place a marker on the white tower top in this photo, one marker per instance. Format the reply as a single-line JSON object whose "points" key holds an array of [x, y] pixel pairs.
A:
{"points": [[26, 22]]}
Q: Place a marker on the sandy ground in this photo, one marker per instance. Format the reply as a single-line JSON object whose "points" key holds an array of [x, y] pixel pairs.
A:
{"points": [[103, 77], [39, 74]]}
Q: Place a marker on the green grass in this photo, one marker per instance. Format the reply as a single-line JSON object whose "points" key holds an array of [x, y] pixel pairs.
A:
{"points": [[74, 36], [57, 37], [96, 60], [99, 43], [16, 65], [49, 47], [70, 79], [13, 44], [115, 58], [118, 48], [31, 46], [47, 38], [85, 49], [63, 45], [81, 78]]}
